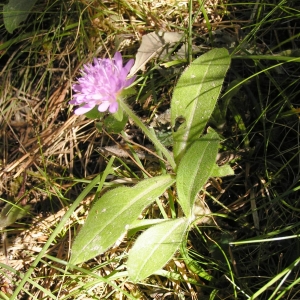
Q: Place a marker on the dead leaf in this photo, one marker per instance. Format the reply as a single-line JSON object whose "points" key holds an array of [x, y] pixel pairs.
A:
{"points": [[155, 44]]}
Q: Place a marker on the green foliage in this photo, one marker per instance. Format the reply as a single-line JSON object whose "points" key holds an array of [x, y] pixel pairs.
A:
{"points": [[15, 12], [194, 170], [155, 247], [94, 114], [195, 97], [112, 214], [113, 125], [221, 171], [11, 213]]}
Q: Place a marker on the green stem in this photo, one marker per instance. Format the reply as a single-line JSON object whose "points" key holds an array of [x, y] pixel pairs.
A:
{"points": [[152, 137]]}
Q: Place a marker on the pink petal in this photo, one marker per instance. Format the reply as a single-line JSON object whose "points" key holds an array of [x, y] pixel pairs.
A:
{"points": [[96, 96], [82, 110], [118, 60], [113, 107], [103, 106], [100, 81], [129, 65]]}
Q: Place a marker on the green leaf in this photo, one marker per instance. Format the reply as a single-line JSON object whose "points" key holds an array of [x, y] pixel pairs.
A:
{"points": [[15, 12], [222, 171], [193, 265], [194, 170], [143, 224], [99, 126], [11, 213], [119, 114], [114, 125], [94, 114], [126, 93], [112, 214], [195, 97], [155, 247]]}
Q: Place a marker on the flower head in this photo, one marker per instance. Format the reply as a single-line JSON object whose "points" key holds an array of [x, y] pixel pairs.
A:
{"points": [[101, 83]]}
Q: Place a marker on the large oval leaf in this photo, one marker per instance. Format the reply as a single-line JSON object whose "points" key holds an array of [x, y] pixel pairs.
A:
{"points": [[112, 214], [195, 97], [195, 168], [15, 12], [155, 247]]}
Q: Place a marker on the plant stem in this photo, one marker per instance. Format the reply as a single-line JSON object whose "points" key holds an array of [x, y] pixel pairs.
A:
{"points": [[152, 137]]}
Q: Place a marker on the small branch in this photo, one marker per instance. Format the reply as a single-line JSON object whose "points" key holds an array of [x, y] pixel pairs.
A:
{"points": [[152, 137]]}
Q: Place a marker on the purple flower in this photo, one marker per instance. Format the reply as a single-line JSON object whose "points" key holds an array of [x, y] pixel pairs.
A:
{"points": [[101, 83]]}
